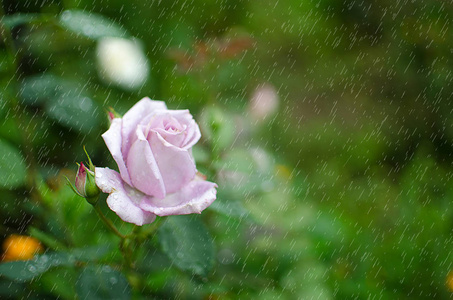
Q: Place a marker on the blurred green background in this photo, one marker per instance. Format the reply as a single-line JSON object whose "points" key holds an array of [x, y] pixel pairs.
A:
{"points": [[340, 189]]}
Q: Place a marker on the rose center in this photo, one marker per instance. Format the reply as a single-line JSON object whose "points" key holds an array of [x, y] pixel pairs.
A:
{"points": [[172, 126]]}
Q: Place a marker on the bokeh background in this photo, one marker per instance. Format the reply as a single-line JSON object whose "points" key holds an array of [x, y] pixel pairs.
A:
{"points": [[327, 125]]}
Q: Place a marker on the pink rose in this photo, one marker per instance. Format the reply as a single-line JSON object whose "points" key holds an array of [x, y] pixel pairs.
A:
{"points": [[152, 146]]}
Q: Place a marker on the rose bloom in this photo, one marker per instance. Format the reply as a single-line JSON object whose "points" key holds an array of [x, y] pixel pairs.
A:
{"points": [[152, 146]]}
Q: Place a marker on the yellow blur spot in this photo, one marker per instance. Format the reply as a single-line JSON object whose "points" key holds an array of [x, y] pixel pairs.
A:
{"points": [[19, 247], [450, 281], [283, 172]]}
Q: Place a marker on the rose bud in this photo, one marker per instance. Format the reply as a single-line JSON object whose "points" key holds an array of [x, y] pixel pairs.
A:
{"points": [[85, 184], [112, 114]]}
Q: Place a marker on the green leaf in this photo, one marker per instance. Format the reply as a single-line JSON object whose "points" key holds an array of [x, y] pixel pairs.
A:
{"points": [[102, 282], [188, 244], [8, 289], [90, 25], [46, 238], [60, 282], [12, 167], [74, 110], [91, 253], [229, 207], [39, 88], [64, 101], [27, 270], [217, 126]]}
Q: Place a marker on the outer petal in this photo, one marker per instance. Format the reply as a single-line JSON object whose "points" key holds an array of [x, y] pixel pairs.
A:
{"points": [[113, 140], [193, 198], [176, 165], [123, 200], [134, 116], [144, 170]]}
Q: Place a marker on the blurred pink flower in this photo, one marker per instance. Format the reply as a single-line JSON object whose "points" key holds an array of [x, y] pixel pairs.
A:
{"points": [[264, 102], [152, 146]]}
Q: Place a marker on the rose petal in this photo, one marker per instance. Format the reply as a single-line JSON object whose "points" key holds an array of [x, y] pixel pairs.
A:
{"points": [[174, 138], [176, 164], [193, 135], [192, 129], [113, 140], [134, 116], [123, 200], [193, 198], [144, 170]]}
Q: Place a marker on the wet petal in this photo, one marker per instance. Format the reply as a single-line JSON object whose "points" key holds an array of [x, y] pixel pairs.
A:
{"points": [[176, 165], [144, 170], [113, 140], [193, 198], [141, 110], [193, 135], [123, 200]]}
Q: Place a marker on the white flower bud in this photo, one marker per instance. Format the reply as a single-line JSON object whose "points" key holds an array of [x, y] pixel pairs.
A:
{"points": [[122, 62]]}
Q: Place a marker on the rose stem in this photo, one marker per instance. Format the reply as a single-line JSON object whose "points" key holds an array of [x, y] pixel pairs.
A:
{"points": [[108, 223], [124, 246]]}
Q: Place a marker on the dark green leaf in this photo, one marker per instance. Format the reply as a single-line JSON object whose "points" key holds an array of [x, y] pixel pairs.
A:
{"points": [[59, 281], [102, 283], [26, 270], [91, 253], [188, 244], [12, 167], [45, 238], [64, 101], [91, 25], [10, 288]]}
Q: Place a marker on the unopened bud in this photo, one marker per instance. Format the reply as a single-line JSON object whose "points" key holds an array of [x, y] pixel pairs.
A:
{"points": [[112, 114], [85, 184]]}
